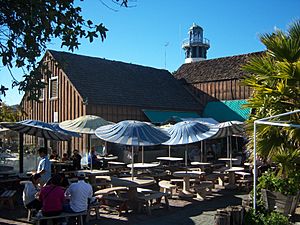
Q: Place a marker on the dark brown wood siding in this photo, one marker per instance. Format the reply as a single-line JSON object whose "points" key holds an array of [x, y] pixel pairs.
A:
{"points": [[67, 105], [219, 90]]}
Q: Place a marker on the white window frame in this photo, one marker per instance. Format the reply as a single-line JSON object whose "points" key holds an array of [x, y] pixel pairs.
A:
{"points": [[50, 83]]}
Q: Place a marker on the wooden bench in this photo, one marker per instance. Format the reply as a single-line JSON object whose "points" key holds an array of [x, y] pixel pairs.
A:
{"points": [[216, 178], [245, 183], [203, 189], [107, 191], [119, 203], [147, 200], [111, 196], [167, 187], [95, 206], [8, 197], [62, 215]]}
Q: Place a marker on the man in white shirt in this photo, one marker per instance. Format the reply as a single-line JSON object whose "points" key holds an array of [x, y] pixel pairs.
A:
{"points": [[78, 193], [44, 167]]}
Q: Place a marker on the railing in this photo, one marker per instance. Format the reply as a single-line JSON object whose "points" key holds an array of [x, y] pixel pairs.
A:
{"points": [[188, 41]]}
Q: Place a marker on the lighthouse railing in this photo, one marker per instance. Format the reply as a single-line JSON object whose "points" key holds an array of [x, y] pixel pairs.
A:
{"points": [[194, 41]]}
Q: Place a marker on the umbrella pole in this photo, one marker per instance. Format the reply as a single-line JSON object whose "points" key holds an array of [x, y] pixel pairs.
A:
{"points": [[227, 142], [35, 151], [45, 143], [201, 156], [132, 161], [186, 156], [21, 152], [142, 154], [169, 150], [90, 151], [230, 153], [105, 150]]}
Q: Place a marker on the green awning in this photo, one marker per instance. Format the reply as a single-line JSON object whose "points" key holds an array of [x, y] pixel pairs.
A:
{"points": [[156, 116], [227, 110]]}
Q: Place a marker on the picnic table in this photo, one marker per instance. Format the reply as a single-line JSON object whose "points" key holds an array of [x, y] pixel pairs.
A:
{"points": [[186, 175], [143, 165], [108, 158], [171, 159], [132, 184], [202, 165], [93, 173], [231, 176]]}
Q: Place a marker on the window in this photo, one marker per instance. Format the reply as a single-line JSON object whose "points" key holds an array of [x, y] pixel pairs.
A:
{"points": [[53, 87], [42, 94]]}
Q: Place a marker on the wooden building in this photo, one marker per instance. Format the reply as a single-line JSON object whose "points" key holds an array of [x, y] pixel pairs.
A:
{"points": [[81, 85], [216, 79], [215, 83]]}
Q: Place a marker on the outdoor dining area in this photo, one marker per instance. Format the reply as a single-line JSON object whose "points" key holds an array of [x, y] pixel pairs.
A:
{"points": [[142, 185]]}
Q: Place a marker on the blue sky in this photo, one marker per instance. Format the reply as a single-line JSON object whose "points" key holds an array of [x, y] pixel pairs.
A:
{"points": [[139, 34]]}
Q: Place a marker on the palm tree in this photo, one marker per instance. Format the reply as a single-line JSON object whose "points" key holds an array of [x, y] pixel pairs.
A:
{"points": [[274, 78]]}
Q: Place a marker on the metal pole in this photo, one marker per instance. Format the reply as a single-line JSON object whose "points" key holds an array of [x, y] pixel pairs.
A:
{"points": [[142, 154], [46, 144], [90, 150], [227, 142], [230, 149], [201, 153], [186, 156], [254, 164], [169, 150], [21, 152], [132, 161], [105, 150]]}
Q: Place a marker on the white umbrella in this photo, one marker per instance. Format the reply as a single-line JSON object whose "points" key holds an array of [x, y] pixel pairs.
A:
{"points": [[85, 125], [228, 129], [35, 128], [187, 132], [133, 133]]}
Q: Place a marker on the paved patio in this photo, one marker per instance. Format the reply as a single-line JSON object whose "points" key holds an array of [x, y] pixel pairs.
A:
{"points": [[187, 212], [182, 212]]}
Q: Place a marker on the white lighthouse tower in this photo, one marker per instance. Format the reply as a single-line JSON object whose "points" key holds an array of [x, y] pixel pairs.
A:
{"points": [[195, 46]]}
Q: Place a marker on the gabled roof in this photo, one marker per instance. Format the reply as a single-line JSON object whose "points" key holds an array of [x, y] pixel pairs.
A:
{"points": [[117, 83], [214, 69]]}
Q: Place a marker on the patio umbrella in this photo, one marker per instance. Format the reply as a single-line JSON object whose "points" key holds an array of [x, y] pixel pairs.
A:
{"points": [[133, 133], [84, 125], [35, 128], [228, 129], [187, 132], [67, 132]]}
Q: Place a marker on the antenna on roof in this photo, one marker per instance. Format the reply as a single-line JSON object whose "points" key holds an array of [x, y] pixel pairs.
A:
{"points": [[166, 45]]}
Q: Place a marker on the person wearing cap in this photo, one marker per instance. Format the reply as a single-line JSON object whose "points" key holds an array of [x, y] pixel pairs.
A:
{"points": [[30, 191], [44, 167], [79, 194]]}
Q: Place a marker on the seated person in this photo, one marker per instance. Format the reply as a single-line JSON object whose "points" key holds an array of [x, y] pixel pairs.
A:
{"points": [[76, 158], [54, 155], [65, 157], [93, 160], [79, 194], [30, 191], [52, 197]]}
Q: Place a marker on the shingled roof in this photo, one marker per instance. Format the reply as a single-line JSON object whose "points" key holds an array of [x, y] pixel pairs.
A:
{"points": [[214, 69], [117, 83]]}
